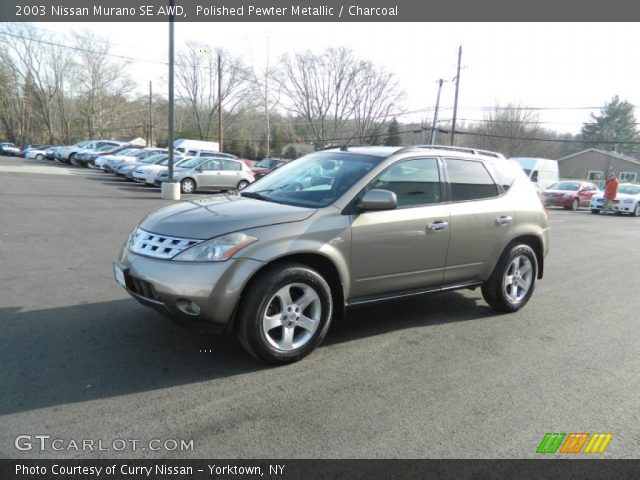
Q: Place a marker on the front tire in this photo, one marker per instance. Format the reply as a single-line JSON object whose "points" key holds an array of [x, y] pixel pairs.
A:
{"points": [[72, 160], [513, 281], [39, 157], [636, 211], [286, 315], [242, 184], [187, 186], [595, 211]]}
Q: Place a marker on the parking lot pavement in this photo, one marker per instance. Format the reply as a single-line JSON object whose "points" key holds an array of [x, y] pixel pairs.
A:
{"points": [[438, 376]]}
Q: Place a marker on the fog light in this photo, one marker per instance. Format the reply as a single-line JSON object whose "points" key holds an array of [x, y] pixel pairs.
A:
{"points": [[188, 307]]}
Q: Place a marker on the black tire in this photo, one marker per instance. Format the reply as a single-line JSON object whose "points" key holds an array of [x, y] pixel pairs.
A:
{"points": [[263, 293], [595, 211], [242, 184], [494, 290], [188, 185], [636, 210], [39, 157], [72, 160]]}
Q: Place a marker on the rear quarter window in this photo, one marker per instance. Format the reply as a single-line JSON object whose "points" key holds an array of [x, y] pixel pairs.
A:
{"points": [[469, 180]]}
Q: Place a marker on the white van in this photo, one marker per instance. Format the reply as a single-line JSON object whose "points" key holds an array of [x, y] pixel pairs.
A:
{"points": [[182, 145], [541, 171]]}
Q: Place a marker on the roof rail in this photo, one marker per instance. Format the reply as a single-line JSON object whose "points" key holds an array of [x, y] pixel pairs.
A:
{"points": [[473, 151]]}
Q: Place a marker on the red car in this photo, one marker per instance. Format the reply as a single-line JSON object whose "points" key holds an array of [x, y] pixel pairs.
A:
{"points": [[265, 166], [570, 194]]}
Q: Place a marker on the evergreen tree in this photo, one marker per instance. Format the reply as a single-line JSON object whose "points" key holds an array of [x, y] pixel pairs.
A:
{"points": [[616, 123], [393, 134]]}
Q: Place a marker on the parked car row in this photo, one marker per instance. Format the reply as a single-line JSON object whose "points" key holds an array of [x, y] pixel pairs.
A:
{"points": [[574, 194], [199, 170]]}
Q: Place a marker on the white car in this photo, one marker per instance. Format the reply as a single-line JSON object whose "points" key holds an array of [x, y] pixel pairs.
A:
{"points": [[39, 153], [627, 200], [147, 173], [7, 148], [101, 160], [114, 161]]}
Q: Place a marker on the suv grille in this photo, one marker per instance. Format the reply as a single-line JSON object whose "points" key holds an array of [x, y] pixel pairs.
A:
{"points": [[158, 246]]}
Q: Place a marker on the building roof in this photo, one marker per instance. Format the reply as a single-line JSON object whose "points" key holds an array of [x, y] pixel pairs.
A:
{"points": [[619, 156]]}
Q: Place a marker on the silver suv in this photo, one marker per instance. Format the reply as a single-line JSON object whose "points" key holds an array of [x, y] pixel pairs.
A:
{"points": [[276, 262], [215, 173]]}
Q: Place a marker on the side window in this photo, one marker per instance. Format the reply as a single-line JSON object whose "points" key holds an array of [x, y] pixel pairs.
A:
{"points": [[469, 180], [230, 165], [415, 182], [211, 165], [595, 175]]}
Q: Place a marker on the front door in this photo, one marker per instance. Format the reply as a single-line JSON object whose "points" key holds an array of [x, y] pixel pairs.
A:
{"points": [[404, 248]]}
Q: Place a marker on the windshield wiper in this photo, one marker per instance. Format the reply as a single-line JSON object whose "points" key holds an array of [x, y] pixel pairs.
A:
{"points": [[257, 195]]}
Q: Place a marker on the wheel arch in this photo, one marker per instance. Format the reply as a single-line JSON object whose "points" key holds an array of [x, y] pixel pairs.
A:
{"points": [[318, 262], [536, 244]]}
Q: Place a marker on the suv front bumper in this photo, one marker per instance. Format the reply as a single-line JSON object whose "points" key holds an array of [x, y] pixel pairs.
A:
{"points": [[203, 294]]}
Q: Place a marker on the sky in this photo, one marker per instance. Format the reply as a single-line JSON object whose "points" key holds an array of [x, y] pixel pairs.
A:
{"points": [[561, 68]]}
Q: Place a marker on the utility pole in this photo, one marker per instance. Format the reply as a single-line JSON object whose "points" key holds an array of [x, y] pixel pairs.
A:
{"points": [[150, 114], [435, 114], [455, 101], [220, 103]]}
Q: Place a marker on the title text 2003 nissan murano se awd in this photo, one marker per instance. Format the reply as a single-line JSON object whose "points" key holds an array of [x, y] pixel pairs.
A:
{"points": [[275, 262]]}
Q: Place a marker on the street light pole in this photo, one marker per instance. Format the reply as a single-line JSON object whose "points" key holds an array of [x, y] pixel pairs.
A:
{"points": [[435, 114], [170, 188]]}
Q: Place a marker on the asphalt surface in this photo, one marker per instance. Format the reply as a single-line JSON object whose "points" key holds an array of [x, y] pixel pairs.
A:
{"points": [[438, 376]]}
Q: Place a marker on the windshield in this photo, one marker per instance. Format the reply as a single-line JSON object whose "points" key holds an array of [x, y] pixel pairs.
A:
{"points": [[155, 158], [316, 180], [629, 189], [267, 163], [82, 144], [194, 162]]}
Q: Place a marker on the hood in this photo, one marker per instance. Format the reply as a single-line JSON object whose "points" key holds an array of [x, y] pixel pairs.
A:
{"points": [[209, 217]]}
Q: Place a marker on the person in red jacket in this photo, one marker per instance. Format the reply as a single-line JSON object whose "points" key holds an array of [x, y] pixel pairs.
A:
{"points": [[610, 192]]}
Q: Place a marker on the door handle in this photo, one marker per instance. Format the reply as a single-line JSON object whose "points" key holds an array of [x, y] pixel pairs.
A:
{"points": [[504, 220], [437, 226]]}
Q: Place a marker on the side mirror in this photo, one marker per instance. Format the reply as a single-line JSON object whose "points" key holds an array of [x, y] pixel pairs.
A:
{"points": [[377, 199], [198, 169]]}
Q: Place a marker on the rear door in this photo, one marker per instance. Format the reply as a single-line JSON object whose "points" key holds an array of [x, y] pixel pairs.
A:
{"points": [[209, 174], [231, 174], [481, 219]]}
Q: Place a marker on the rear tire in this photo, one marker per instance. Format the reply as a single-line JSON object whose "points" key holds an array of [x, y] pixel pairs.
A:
{"points": [[636, 211], [72, 160], [575, 204], [595, 211], [513, 281], [39, 157], [286, 315], [242, 184]]}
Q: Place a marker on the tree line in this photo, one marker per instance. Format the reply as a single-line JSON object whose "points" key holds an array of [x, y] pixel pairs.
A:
{"points": [[58, 93]]}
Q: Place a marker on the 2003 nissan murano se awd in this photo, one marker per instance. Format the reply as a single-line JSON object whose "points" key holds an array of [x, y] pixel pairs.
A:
{"points": [[275, 262]]}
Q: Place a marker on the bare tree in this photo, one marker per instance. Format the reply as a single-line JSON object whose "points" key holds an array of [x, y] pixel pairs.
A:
{"points": [[197, 84], [266, 90], [376, 96], [39, 65], [505, 127], [335, 89], [318, 88], [102, 87]]}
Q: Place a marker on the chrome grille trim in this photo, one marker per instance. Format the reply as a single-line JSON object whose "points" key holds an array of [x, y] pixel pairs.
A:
{"points": [[158, 246]]}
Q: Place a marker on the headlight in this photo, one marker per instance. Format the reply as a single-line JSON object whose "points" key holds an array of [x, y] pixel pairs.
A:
{"points": [[216, 250]]}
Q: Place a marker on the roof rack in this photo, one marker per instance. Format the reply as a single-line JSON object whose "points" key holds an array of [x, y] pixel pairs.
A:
{"points": [[473, 151]]}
